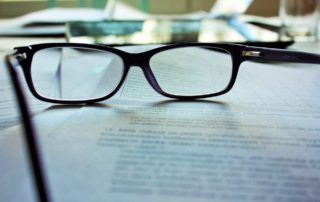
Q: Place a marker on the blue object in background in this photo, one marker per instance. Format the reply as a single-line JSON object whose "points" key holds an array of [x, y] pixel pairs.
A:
{"points": [[230, 11]]}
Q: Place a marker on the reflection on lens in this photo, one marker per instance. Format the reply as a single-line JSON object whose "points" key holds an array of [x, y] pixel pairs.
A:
{"points": [[69, 73], [192, 71]]}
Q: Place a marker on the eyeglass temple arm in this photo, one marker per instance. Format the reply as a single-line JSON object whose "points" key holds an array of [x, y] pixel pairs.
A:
{"points": [[278, 55], [30, 137]]}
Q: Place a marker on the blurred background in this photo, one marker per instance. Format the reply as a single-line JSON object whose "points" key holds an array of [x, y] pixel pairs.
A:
{"points": [[13, 8], [165, 21]]}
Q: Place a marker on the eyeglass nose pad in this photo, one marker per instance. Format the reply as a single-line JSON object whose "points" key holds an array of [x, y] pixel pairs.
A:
{"points": [[152, 79]]}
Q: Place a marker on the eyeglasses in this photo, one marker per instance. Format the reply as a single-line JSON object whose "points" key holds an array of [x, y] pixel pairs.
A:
{"points": [[71, 73]]}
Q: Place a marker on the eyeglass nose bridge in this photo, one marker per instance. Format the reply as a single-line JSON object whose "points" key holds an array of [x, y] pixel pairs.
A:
{"points": [[138, 59], [141, 60]]}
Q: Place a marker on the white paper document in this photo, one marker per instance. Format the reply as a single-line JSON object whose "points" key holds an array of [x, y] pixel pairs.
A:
{"points": [[259, 142], [193, 152]]}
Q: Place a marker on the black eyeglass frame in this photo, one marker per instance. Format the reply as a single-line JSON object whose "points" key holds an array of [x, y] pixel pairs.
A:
{"points": [[239, 53]]}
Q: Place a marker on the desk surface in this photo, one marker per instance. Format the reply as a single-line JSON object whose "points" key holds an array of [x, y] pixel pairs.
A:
{"points": [[260, 142]]}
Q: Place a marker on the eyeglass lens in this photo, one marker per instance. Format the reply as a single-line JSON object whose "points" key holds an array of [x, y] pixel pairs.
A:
{"points": [[68, 73], [192, 71]]}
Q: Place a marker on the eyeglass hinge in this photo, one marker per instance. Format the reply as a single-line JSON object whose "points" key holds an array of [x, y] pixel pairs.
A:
{"points": [[251, 53], [20, 56]]}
